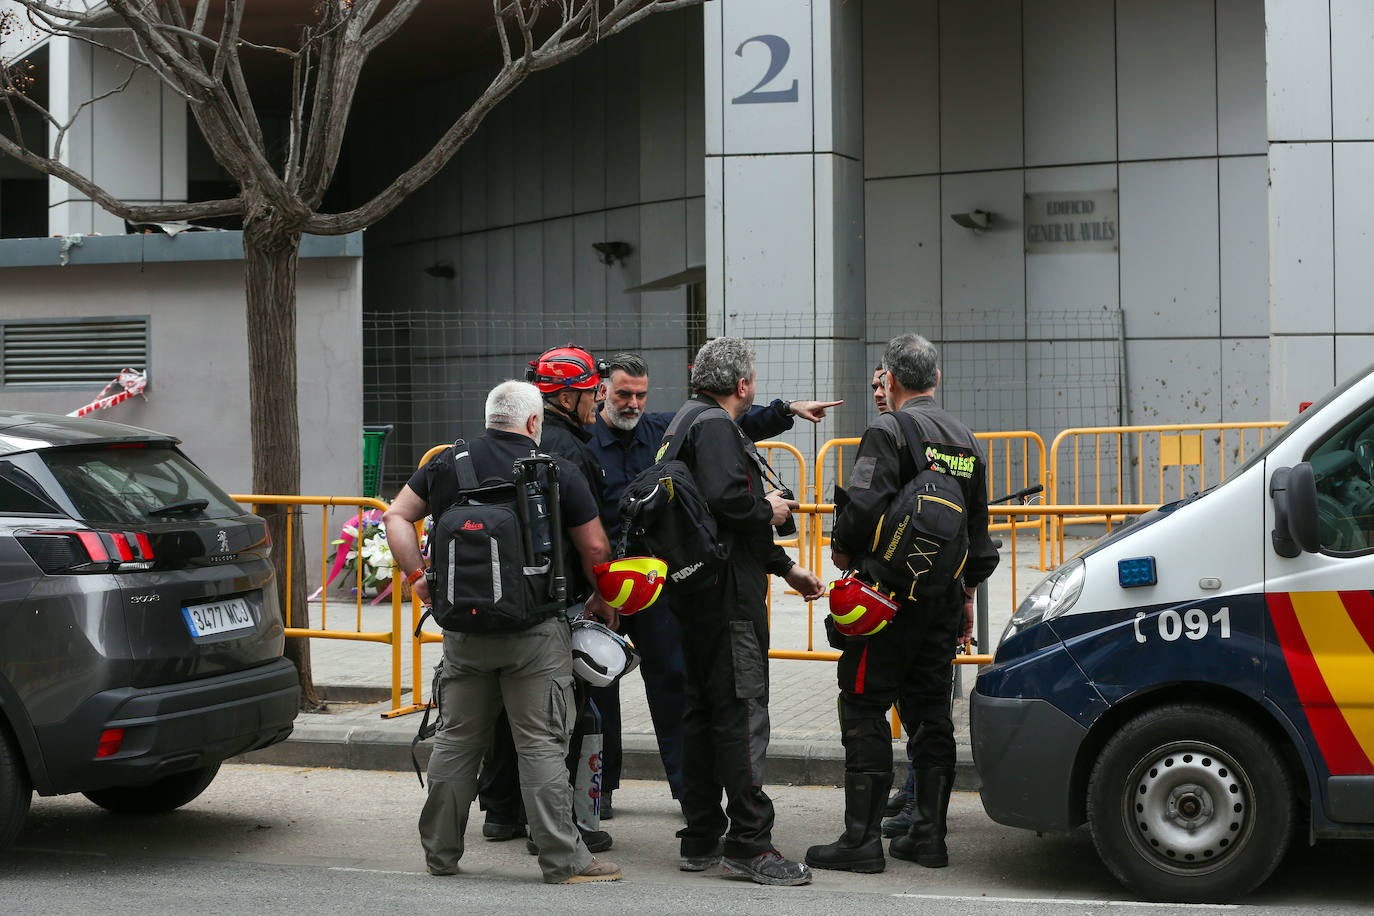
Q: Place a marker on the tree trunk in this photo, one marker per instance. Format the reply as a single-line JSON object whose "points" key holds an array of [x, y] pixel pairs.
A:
{"points": [[270, 254]]}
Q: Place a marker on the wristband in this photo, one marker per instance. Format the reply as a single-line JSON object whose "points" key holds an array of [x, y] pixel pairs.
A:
{"points": [[411, 579], [787, 409]]}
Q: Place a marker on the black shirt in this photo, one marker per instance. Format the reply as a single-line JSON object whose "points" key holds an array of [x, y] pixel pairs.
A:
{"points": [[566, 438], [493, 455]]}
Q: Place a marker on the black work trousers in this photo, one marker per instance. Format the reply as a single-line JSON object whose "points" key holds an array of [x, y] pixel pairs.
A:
{"points": [[724, 632], [654, 633], [908, 663]]}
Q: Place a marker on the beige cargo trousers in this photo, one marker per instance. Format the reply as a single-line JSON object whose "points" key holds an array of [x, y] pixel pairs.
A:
{"points": [[530, 673]]}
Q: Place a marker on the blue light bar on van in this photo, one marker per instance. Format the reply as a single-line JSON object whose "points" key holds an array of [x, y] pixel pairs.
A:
{"points": [[1135, 572]]}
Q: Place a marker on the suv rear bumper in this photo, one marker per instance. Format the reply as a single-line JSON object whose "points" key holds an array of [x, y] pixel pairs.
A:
{"points": [[170, 728]]}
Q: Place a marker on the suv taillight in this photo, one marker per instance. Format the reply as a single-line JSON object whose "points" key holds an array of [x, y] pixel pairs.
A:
{"points": [[58, 552]]}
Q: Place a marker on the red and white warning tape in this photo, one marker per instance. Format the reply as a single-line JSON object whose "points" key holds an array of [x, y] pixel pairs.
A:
{"points": [[132, 381]]}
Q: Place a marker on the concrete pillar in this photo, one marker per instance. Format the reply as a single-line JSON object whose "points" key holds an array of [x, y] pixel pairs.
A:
{"points": [[1319, 70], [784, 196], [131, 142]]}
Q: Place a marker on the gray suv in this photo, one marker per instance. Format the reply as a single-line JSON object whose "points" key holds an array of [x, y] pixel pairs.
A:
{"points": [[140, 640]]}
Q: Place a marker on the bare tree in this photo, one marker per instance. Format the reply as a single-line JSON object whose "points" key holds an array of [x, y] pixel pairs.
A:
{"points": [[197, 48]]}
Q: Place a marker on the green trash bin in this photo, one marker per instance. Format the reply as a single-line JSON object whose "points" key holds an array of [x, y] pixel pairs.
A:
{"points": [[374, 458]]}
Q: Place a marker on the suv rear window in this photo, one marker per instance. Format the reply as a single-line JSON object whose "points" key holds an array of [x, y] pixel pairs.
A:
{"points": [[133, 484]]}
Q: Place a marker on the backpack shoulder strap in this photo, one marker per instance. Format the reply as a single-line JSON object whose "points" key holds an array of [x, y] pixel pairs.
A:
{"points": [[912, 431], [682, 422], [462, 466]]}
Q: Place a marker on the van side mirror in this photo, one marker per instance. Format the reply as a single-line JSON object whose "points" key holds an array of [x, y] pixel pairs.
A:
{"points": [[1294, 491]]}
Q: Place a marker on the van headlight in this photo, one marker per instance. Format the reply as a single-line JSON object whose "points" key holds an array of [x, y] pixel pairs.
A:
{"points": [[1052, 597]]}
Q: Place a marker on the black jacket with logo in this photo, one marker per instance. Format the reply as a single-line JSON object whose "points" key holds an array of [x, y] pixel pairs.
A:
{"points": [[885, 462]]}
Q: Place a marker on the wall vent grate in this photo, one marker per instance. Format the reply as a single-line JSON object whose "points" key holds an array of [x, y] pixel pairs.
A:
{"points": [[72, 352]]}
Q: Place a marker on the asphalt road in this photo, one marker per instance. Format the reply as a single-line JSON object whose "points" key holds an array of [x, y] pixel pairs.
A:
{"points": [[297, 840]]}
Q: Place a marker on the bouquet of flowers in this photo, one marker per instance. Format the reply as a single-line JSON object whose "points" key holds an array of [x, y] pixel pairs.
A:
{"points": [[366, 543]]}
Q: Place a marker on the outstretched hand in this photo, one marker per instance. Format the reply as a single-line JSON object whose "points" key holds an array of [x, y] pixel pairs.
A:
{"points": [[812, 410]]}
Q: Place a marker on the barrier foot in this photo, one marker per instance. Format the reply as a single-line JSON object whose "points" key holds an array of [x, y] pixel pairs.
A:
{"points": [[406, 710]]}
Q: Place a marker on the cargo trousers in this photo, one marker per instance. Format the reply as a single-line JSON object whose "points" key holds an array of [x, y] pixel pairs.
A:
{"points": [[530, 673]]}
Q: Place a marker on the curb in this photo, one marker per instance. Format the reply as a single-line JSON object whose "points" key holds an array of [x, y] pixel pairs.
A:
{"points": [[354, 746]]}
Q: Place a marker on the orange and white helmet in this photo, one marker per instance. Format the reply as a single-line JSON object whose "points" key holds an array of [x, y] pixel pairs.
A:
{"points": [[858, 609], [631, 584]]}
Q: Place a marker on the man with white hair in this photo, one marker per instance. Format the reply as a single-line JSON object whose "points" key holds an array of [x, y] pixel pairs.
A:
{"points": [[529, 670]]}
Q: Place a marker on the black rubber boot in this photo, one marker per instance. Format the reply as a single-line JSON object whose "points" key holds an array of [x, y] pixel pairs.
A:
{"points": [[924, 843], [860, 847], [895, 804]]}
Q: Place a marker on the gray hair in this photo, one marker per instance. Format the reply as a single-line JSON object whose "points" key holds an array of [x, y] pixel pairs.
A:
{"points": [[721, 364], [913, 361], [511, 403], [632, 364]]}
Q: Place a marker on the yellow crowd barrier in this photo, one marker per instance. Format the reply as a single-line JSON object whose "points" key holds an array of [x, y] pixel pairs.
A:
{"points": [[1102, 464], [1016, 461], [1183, 454], [360, 504]]}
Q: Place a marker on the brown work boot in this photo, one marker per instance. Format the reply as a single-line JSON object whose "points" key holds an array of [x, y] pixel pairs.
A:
{"points": [[596, 870]]}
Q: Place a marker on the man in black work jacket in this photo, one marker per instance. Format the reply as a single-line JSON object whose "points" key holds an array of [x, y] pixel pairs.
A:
{"points": [[724, 629], [625, 440], [909, 661], [568, 379]]}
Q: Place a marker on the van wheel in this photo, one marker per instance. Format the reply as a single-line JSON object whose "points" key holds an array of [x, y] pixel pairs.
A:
{"points": [[15, 790], [167, 794], [1190, 803]]}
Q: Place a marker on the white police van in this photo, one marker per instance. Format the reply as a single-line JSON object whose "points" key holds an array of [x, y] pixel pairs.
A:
{"points": [[1199, 685]]}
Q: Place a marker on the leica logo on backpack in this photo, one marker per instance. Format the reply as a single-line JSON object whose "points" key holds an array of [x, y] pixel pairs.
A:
{"points": [[472, 526]]}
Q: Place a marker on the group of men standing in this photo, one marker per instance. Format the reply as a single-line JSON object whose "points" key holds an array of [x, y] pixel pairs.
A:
{"points": [[704, 661]]}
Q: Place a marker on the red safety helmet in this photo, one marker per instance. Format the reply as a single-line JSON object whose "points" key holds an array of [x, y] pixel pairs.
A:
{"points": [[566, 367], [858, 609], [631, 584]]}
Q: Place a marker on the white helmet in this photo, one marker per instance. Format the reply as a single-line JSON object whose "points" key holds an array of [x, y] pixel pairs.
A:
{"points": [[601, 656]]}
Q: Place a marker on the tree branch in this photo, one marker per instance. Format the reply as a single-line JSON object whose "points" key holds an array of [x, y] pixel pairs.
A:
{"points": [[392, 21], [199, 210], [581, 28]]}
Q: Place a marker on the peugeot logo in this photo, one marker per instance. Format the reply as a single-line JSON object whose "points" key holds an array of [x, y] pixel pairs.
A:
{"points": [[223, 539]]}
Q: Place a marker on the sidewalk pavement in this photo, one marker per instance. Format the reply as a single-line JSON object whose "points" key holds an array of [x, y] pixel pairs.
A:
{"points": [[355, 680]]}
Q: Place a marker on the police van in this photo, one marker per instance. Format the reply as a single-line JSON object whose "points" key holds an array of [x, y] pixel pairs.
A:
{"points": [[1198, 686]]}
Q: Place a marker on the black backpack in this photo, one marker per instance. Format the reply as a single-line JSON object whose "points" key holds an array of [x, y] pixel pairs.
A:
{"points": [[496, 553], [663, 514], [922, 539]]}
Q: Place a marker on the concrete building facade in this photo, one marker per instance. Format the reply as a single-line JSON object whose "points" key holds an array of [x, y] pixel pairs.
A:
{"points": [[1140, 211]]}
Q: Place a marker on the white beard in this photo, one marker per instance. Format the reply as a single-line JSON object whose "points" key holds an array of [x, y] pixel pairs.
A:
{"points": [[620, 421]]}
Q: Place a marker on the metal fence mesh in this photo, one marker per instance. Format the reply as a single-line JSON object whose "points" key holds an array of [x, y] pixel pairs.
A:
{"points": [[428, 373]]}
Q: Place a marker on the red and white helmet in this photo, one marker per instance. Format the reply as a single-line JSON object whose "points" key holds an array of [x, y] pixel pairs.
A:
{"points": [[858, 609], [631, 584], [565, 368]]}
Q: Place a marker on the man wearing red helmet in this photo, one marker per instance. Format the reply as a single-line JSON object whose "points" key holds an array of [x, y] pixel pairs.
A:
{"points": [[908, 661], [568, 378]]}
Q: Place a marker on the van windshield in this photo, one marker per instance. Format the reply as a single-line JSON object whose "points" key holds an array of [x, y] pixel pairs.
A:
{"points": [[1298, 421], [131, 485]]}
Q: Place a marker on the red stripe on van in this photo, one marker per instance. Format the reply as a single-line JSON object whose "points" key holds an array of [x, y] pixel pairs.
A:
{"points": [[1342, 753], [1360, 607]]}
